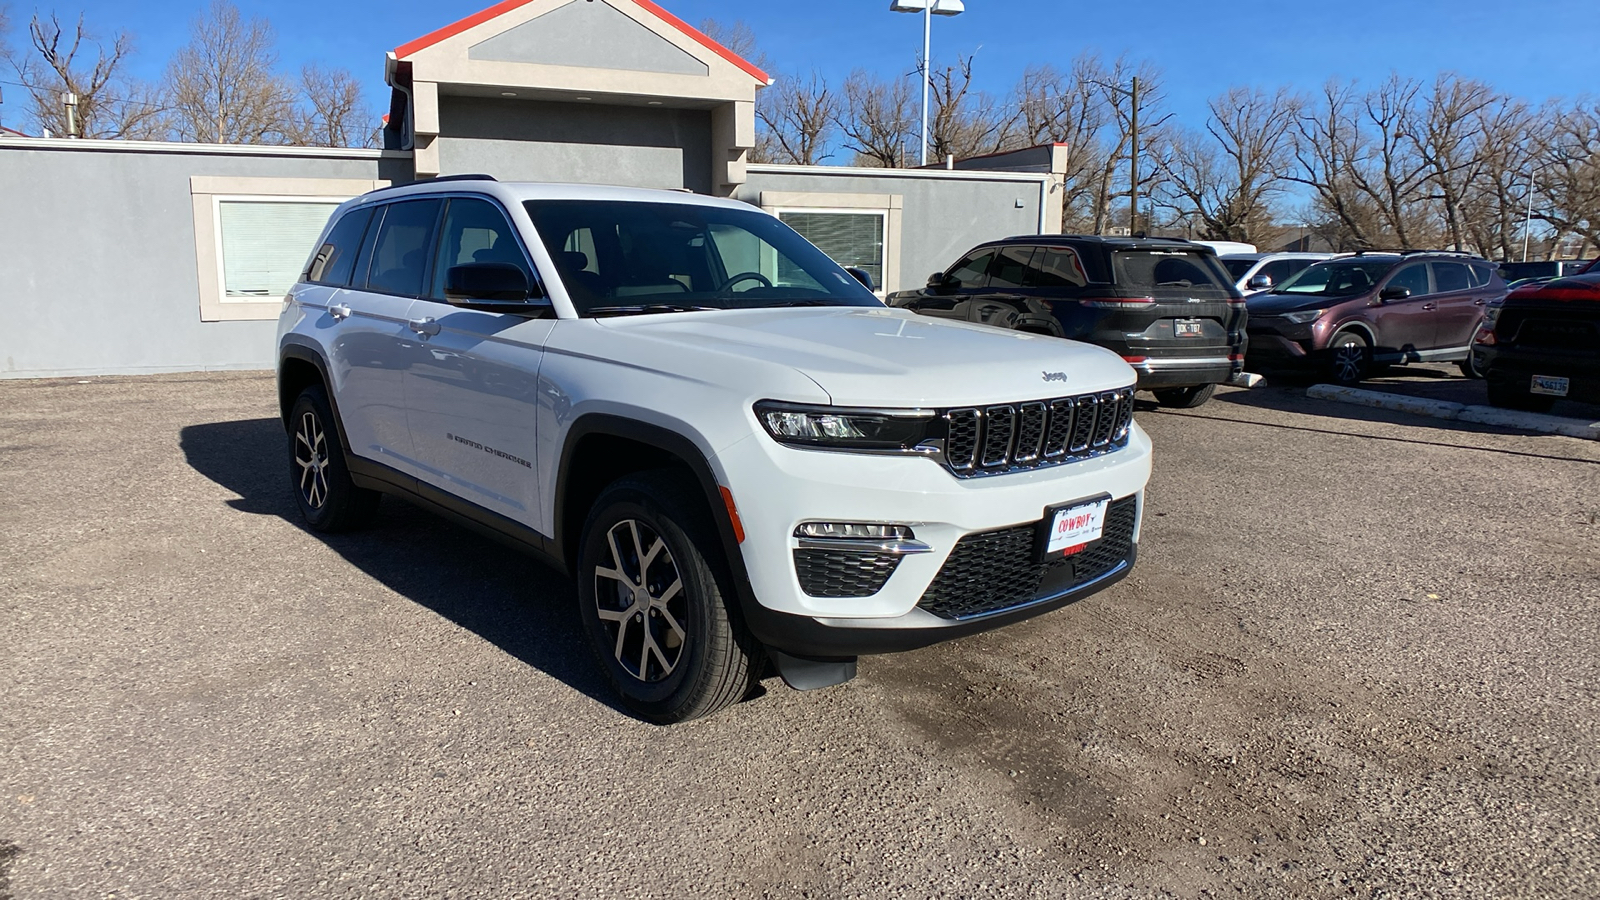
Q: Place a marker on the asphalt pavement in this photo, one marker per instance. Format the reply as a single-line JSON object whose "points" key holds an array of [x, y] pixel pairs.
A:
{"points": [[1357, 658]]}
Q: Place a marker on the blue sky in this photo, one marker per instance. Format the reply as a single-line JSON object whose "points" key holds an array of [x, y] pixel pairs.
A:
{"points": [[1525, 48]]}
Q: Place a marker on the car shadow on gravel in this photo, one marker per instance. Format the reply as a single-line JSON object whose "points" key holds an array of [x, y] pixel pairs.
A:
{"points": [[505, 597]]}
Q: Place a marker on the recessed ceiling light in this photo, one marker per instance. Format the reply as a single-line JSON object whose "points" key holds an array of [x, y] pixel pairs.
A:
{"points": [[508, 93]]}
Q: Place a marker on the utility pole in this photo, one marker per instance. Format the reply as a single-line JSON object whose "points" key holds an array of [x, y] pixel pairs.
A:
{"points": [[1133, 163]]}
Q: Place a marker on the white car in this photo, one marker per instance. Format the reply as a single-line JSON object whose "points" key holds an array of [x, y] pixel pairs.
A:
{"points": [[1253, 273], [731, 445]]}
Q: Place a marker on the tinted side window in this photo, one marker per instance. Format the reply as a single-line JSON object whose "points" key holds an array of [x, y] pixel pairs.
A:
{"points": [[476, 231], [336, 258], [1413, 277], [972, 272], [1451, 276], [1011, 269], [1058, 267], [1280, 270], [400, 255], [1481, 275]]}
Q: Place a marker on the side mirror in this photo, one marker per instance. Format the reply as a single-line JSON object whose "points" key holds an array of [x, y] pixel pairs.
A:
{"points": [[494, 287], [1394, 293], [1260, 283], [940, 283], [861, 275]]}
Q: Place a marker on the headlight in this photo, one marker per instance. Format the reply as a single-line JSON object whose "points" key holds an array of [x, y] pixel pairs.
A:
{"points": [[1303, 316], [834, 428]]}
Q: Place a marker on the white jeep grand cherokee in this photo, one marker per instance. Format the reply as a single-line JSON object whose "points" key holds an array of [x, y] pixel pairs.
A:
{"points": [[733, 447]]}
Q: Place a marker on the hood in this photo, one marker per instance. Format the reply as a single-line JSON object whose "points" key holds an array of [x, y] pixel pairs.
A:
{"points": [[1580, 288], [883, 357], [1270, 304]]}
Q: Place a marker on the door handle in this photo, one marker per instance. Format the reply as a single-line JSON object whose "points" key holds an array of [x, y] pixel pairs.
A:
{"points": [[339, 312], [1430, 306], [424, 327], [1479, 302]]}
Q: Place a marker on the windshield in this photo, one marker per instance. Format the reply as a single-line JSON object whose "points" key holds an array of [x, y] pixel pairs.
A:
{"points": [[1340, 278], [1237, 267], [618, 257], [1162, 273]]}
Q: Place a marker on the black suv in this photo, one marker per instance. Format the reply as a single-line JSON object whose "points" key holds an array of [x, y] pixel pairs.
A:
{"points": [[1167, 306]]}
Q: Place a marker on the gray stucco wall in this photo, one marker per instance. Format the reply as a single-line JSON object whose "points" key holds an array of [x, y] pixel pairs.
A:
{"points": [[943, 216], [97, 260], [530, 140]]}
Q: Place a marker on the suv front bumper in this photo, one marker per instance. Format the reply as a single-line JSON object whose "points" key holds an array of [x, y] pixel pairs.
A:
{"points": [[776, 488]]}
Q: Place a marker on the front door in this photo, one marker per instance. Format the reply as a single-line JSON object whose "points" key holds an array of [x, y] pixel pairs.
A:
{"points": [[1409, 324], [474, 391], [965, 280]]}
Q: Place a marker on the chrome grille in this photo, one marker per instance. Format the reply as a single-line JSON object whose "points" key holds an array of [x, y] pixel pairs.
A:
{"points": [[1016, 436]]}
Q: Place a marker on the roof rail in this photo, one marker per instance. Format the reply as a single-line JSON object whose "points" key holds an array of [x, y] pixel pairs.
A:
{"points": [[462, 178], [1376, 250]]}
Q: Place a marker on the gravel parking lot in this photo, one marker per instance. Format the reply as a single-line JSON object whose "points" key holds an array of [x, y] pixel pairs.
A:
{"points": [[1357, 658]]}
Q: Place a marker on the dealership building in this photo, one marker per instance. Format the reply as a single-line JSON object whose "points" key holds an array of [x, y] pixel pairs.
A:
{"points": [[126, 257]]}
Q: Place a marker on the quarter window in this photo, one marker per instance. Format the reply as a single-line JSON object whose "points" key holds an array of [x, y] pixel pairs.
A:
{"points": [[400, 255], [1058, 267]]}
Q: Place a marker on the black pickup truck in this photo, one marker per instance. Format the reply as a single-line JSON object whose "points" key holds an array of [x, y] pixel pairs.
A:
{"points": [[1542, 344]]}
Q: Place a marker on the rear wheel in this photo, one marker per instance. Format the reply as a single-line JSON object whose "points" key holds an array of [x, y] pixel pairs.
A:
{"points": [[1512, 395], [1349, 358], [328, 500], [656, 602], [1186, 398]]}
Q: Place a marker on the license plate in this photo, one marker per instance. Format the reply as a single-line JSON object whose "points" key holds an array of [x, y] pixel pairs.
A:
{"points": [[1188, 327], [1074, 526], [1550, 385]]}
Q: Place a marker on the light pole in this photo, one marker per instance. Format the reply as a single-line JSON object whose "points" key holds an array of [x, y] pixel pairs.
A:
{"points": [[929, 9], [1133, 157], [1527, 223]]}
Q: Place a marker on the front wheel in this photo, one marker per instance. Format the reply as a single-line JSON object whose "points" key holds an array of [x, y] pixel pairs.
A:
{"points": [[655, 603], [1186, 398], [1349, 358]]}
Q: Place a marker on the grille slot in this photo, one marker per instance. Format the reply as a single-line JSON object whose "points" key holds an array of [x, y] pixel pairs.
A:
{"points": [[1000, 422], [843, 573], [997, 570], [1037, 433]]}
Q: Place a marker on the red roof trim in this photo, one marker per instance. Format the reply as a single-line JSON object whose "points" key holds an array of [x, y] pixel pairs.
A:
{"points": [[505, 6]]}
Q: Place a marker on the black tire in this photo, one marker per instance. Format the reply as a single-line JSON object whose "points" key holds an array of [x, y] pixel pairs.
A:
{"points": [[1349, 358], [703, 659], [1185, 398], [318, 474], [1512, 395], [1469, 366]]}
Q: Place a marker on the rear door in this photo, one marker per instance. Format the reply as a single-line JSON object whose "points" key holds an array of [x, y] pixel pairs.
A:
{"points": [[474, 392], [1190, 312], [1461, 298], [376, 343]]}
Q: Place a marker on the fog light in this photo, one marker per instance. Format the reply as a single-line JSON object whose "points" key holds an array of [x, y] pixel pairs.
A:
{"points": [[853, 531]]}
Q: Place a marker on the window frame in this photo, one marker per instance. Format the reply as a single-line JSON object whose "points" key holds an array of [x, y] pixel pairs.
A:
{"points": [[881, 214], [207, 192], [535, 280], [891, 206]]}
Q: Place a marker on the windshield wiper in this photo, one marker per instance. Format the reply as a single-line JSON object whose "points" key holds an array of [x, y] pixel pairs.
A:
{"points": [[813, 302], [646, 309]]}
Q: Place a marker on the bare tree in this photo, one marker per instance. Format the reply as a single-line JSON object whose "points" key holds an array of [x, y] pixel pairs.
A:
{"points": [[1069, 108], [797, 118], [222, 85], [876, 119], [108, 104], [333, 112], [1229, 176], [963, 123], [1568, 172], [1450, 133], [1327, 142]]}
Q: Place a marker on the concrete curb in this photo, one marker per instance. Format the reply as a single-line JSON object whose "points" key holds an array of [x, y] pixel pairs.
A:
{"points": [[1440, 409]]}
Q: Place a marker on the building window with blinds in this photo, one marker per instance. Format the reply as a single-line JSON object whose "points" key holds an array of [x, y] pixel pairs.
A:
{"points": [[848, 237], [263, 244]]}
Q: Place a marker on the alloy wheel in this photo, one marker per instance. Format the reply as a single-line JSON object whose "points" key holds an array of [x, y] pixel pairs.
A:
{"points": [[640, 600], [1347, 361], [311, 455]]}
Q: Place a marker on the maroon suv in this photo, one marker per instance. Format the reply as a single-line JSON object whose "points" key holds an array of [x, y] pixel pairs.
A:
{"points": [[1347, 313]]}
